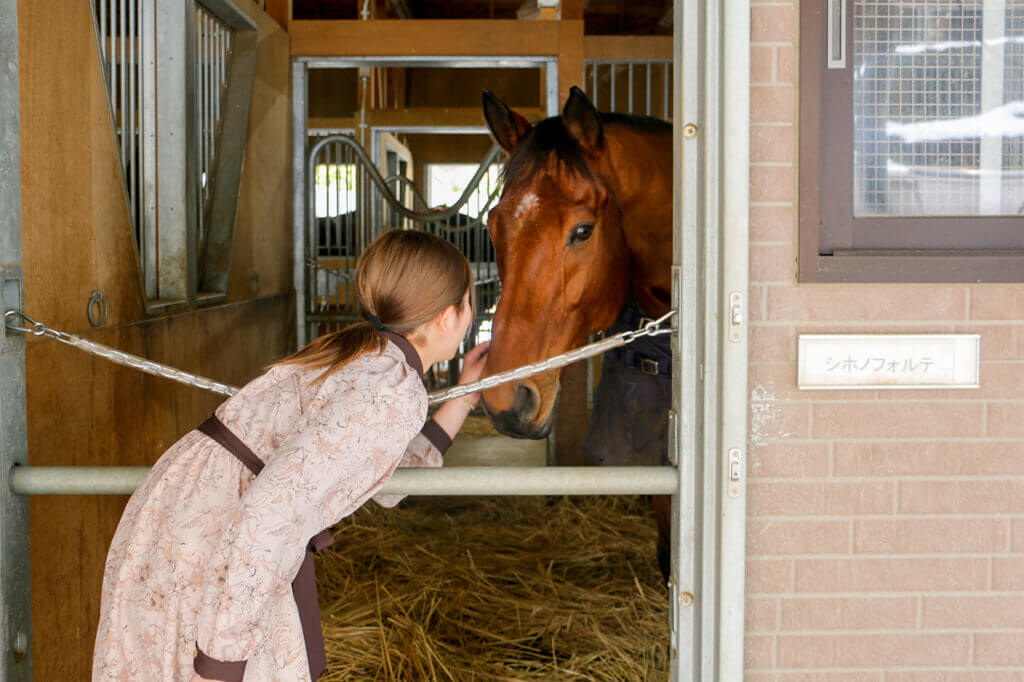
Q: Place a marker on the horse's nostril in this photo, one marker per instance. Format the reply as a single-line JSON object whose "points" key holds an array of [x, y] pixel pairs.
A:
{"points": [[527, 402]]}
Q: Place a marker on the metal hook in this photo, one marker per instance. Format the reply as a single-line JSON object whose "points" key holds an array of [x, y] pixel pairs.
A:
{"points": [[37, 327]]}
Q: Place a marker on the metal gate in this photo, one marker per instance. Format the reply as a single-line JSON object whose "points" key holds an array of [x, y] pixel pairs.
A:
{"points": [[349, 204]]}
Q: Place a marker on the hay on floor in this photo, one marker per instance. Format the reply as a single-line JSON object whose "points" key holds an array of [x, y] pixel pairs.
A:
{"points": [[560, 588]]}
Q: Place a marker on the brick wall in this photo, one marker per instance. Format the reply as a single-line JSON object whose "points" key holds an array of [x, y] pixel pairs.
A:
{"points": [[885, 536]]}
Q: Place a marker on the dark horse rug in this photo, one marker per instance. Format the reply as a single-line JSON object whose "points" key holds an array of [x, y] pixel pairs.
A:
{"points": [[629, 423]]}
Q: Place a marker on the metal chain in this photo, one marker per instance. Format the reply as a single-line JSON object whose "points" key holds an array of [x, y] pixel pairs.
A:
{"points": [[650, 328]]}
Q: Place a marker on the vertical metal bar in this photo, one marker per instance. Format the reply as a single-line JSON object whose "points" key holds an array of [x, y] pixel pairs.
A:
{"points": [[647, 87], [103, 35], [148, 179], [15, 571], [210, 141], [593, 80], [551, 87], [630, 100], [688, 349], [614, 104], [133, 72], [334, 200], [993, 66], [121, 93], [734, 205], [199, 112], [665, 72], [302, 194]]}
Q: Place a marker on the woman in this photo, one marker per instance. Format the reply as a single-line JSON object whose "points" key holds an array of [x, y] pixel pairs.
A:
{"points": [[210, 573]]}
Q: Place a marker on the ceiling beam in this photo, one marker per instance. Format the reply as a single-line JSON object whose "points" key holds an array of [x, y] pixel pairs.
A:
{"points": [[423, 37]]}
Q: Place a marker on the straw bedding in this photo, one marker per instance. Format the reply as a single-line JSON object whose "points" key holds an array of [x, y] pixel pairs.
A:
{"points": [[516, 588]]}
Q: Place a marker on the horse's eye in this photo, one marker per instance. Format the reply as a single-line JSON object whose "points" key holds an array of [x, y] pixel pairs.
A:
{"points": [[581, 233]]}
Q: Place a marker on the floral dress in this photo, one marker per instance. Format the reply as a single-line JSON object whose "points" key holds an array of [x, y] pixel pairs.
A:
{"points": [[204, 555]]}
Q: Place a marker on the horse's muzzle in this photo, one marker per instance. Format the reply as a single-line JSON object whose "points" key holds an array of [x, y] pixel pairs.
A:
{"points": [[517, 422]]}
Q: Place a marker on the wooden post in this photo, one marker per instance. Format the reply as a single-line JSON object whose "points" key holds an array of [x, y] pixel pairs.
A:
{"points": [[573, 415]]}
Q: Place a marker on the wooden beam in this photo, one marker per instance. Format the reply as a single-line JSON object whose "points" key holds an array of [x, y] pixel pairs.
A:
{"points": [[570, 57], [404, 118], [425, 37], [280, 11], [628, 48]]}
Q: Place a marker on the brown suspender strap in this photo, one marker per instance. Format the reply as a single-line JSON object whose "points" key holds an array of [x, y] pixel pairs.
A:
{"points": [[304, 585]]}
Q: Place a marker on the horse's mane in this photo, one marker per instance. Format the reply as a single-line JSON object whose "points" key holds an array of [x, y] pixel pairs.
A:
{"points": [[550, 136]]}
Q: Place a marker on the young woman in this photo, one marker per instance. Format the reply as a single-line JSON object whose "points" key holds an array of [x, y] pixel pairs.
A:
{"points": [[210, 573]]}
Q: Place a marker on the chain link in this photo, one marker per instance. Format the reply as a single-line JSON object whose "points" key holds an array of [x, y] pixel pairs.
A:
{"points": [[651, 328]]}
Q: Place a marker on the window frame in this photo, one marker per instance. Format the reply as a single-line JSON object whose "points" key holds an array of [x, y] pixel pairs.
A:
{"points": [[828, 232]]}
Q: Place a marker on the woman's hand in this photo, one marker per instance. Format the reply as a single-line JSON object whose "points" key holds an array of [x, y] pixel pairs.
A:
{"points": [[473, 366], [196, 678]]}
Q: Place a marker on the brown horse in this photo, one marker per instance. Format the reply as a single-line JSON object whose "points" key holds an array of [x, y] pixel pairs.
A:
{"points": [[585, 219]]}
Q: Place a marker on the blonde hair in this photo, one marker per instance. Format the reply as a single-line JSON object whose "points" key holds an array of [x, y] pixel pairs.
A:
{"points": [[406, 278]]}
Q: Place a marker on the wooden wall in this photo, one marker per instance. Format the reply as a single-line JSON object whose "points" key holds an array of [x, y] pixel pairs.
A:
{"points": [[83, 411]]}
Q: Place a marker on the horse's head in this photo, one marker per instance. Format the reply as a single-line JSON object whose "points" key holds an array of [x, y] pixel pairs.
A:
{"points": [[561, 255]]}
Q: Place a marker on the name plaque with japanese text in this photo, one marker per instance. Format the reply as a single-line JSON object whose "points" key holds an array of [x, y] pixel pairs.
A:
{"points": [[859, 361]]}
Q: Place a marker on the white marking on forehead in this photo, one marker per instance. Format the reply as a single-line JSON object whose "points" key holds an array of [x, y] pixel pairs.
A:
{"points": [[528, 204]]}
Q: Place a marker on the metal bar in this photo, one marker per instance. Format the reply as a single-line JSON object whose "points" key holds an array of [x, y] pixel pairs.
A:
{"points": [[15, 571], [122, 92], [666, 72], [688, 351], [429, 61], [613, 106], [551, 76], [210, 123], [103, 38], [200, 116], [300, 204], [133, 70], [593, 79], [629, 68], [993, 66], [734, 205], [147, 131], [647, 88], [472, 480]]}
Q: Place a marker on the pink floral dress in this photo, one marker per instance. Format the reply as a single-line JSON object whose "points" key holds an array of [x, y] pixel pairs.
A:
{"points": [[205, 552]]}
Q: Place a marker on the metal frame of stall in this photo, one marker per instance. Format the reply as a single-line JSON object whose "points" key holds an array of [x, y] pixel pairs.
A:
{"points": [[708, 437]]}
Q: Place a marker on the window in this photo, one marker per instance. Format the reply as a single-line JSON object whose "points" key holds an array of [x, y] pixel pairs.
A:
{"points": [[912, 140], [180, 144], [447, 181]]}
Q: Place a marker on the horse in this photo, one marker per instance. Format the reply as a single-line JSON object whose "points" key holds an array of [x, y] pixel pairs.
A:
{"points": [[583, 240]]}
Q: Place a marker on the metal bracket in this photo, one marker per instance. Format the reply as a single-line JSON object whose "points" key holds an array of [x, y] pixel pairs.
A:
{"points": [[673, 437], [735, 317], [12, 296], [836, 34], [15, 574], [734, 472]]}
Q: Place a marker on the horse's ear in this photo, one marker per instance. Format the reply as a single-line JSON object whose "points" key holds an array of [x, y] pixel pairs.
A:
{"points": [[582, 121], [508, 128]]}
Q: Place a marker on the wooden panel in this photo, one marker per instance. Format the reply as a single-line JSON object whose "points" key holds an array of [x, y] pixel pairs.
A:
{"points": [[86, 411], [419, 117], [428, 37], [77, 238], [263, 234], [570, 57], [627, 48]]}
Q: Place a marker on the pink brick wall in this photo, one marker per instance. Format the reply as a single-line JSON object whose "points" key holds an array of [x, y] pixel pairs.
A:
{"points": [[885, 533]]}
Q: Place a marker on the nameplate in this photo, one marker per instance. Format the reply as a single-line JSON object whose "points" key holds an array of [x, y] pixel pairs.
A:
{"points": [[880, 361]]}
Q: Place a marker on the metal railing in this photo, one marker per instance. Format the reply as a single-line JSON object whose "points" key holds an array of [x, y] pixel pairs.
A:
{"points": [[349, 204], [213, 51], [639, 87], [125, 31]]}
